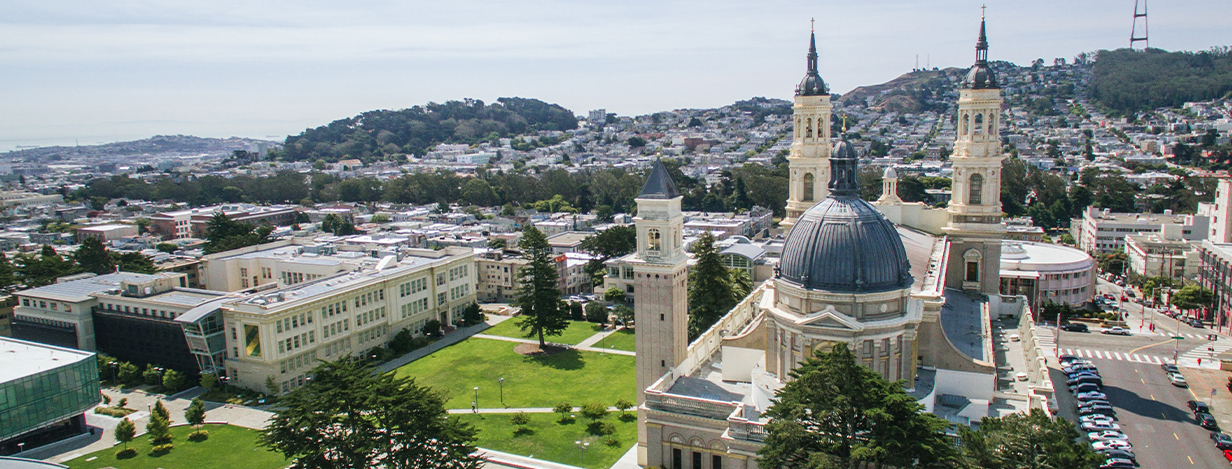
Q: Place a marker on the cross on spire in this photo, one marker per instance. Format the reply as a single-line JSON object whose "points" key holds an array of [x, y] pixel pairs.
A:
{"points": [[811, 22], [982, 8]]}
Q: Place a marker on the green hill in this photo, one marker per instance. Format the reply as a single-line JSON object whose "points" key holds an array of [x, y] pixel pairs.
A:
{"points": [[383, 133], [1137, 80]]}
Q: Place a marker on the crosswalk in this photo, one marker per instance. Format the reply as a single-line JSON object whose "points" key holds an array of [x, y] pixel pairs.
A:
{"points": [[1121, 356]]}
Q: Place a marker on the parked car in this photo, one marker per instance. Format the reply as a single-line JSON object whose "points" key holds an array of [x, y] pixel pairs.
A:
{"points": [[1084, 387], [1097, 426], [1097, 409], [1221, 441], [1120, 453], [1227, 454], [1198, 406], [1207, 421], [1122, 445], [1096, 418], [1067, 359], [1104, 435], [1090, 404], [1196, 324], [1177, 380], [1091, 396], [1084, 378], [1118, 463], [1118, 330], [1074, 327], [1079, 368]]}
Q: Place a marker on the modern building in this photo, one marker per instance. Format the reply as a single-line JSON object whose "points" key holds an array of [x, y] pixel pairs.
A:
{"points": [[61, 314], [1220, 212], [1103, 231], [1161, 255], [1047, 273], [44, 393], [282, 330]]}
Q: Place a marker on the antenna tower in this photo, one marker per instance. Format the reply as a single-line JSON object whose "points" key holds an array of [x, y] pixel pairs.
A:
{"points": [[1133, 34]]}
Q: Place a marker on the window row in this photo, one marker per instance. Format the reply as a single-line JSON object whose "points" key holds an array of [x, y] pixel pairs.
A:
{"points": [[369, 316], [414, 307], [297, 342], [293, 322], [413, 287]]}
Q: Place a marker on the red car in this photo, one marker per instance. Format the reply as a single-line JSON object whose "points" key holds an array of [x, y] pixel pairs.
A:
{"points": [[1227, 454]]}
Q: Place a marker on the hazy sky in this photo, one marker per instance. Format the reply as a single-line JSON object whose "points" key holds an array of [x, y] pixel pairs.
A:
{"points": [[98, 70]]}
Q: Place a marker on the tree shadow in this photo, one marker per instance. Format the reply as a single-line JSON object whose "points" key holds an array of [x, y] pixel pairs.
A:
{"points": [[626, 418], [523, 431], [566, 421], [600, 428], [567, 360]]}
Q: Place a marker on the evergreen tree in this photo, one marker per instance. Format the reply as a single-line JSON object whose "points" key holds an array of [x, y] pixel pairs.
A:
{"points": [[125, 431], [173, 380], [136, 262], [195, 413], [224, 234], [159, 429], [161, 410], [7, 277], [539, 295], [838, 413], [349, 415], [1032, 440], [710, 287]]}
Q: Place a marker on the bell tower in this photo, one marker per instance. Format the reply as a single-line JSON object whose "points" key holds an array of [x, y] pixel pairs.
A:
{"points": [[660, 287], [809, 161], [975, 228]]}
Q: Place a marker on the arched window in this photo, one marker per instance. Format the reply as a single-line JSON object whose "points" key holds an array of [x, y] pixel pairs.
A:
{"points": [[966, 121], [808, 128], [798, 132], [979, 124], [808, 187], [975, 190], [972, 260], [654, 242]]}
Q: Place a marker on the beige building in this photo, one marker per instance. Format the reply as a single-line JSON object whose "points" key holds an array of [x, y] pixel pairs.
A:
{"points": [[281, 331], [27, 199], [1153, 255], [1103, 231], [497, 279]]}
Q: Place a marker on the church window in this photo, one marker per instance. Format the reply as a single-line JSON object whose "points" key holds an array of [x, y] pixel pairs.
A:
{"points": [[973, 271], [979, 123], [966, 120], [654, 240], [808, 128], [975, 190], [808, 187]]}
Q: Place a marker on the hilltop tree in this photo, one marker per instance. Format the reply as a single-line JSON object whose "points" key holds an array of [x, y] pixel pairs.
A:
{"points": [[838, 413], [350, 415], [539, 296]]}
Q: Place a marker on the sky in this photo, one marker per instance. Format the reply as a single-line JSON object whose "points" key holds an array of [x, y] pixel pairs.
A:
{"points": [[94, 71]]}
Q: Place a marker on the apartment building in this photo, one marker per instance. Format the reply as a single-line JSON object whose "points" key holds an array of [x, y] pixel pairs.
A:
{"points": [[1102, 231], [283, 331], [1159, 255], [497, 279]]}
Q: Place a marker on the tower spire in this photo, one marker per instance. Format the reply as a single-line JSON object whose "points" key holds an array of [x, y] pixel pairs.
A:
{"points": [[812, 85], [981, 44]]}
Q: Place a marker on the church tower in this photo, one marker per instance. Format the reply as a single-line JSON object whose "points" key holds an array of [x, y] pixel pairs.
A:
{"points": [[660, 286], [975, 229], [810, 147]]}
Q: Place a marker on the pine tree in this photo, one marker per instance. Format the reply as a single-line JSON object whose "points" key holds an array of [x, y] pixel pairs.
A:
{"points": [[195, 413], [161, 411], [710, 287], [159, 429], [125, 431], [539, 296], [7, 277], [94, 257]]}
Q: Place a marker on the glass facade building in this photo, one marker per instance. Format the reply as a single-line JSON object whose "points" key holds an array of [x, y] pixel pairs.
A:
{"points": [[44, 390]]}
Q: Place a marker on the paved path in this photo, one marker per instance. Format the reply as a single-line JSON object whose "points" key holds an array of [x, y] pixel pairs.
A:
{"points": [[449, 339], [514, 410], [594, 339], [579, 347]]}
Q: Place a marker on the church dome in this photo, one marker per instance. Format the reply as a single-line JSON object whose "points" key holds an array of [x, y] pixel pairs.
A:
{"points": [[812, 84], [980, 77], [843, 244]]}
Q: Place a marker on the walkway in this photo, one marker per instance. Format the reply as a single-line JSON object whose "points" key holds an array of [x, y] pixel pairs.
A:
{"points": [[578, 347], [514, 410], [449, 339]]}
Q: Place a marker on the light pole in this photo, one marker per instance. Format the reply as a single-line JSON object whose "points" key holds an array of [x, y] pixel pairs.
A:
{"points": [[502, 388], [583, 446], [114, 366], [476, 399]]}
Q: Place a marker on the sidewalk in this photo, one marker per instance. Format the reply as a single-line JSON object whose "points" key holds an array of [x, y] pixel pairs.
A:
{"points": [[529, 410], [449, 339], [1202, 382], [578, 347]]}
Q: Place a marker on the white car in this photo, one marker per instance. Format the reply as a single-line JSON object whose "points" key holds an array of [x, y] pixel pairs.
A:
{"points": [[1100, 426], [1122, 445], [1095, 418], [1092, 396], [1179, 381], [1116, 330], [1104, 435]]}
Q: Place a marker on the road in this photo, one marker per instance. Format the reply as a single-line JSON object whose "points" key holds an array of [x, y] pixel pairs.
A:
{"points": [[1150, 410]]}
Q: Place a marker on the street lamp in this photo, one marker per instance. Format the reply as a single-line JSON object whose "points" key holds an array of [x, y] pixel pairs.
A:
{"points": [[476, 399], [582, 446], [502, 388], [114, 367]]}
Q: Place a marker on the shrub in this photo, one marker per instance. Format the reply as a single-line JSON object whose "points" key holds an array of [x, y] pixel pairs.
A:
{"points": [[113, 411], [519, 419], [123, 402], [126, 453], [106, 399], [594, 411], [199, 435], [596, 312], [564, 409], [611, 442], [162, 449], [601, 428]]}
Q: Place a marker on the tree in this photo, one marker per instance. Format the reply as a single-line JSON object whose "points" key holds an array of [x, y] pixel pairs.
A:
{"points": [[161, 410], [136, 262], [636, 142], [520, 419], [539, 295], [596, 312], [624, 405], [151, 375], [168, 248], [159, 429], [271, 385], [614, 295], [1192, 297], [710, 288], [92, 256], [174, 380], [125, 431], [380, 218], [497, 243], [224, 234], [129, 373], [7, 277], [349, 415], [624, 313], [432, 327], [1114, 262], [838, 413], [207, 381], [195, 413], [473, 314], [1024, 441], [594, 411], [1067, 239], [403, 342], [576, 312], [564, 409], [337, 225]]}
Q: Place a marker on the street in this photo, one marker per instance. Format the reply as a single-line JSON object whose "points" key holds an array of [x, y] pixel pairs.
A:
{"points": [[1150, 410]]}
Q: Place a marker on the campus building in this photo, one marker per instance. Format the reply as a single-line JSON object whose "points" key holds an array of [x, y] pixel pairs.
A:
{"points": [[44, 393], [1103, 231]]}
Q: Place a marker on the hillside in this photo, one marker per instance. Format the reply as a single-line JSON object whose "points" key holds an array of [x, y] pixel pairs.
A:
{"points": [[159, 145], [382, 133], [912, 92], [1130, 80]]}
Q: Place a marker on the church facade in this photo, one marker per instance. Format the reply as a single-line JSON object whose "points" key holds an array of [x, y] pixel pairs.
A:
{"points": [[916, 304]]}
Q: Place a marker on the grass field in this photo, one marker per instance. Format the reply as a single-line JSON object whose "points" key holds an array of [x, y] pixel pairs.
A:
{"points": [[619, 340], [551, 440], [575, 334], [571, 376], [227, 447]]}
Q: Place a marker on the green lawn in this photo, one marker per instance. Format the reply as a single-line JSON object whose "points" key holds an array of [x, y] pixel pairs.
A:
{"points": [[227, 447], [619, 340], [553, 441], [575, 334], [571, 376]]}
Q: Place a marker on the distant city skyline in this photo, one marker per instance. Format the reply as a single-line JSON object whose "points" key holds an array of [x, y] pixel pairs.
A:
{"points": [[97, 72]]}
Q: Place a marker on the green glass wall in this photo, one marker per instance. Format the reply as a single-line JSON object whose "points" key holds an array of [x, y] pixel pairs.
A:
{"points": [[48, 397]]}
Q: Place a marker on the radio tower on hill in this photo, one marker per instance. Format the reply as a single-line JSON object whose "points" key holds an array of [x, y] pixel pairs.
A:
{"points": [[1133, 34]]}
